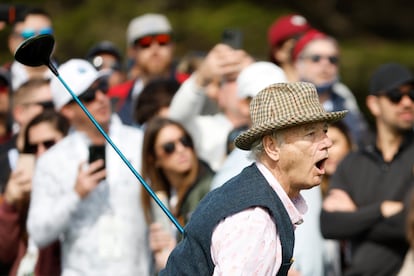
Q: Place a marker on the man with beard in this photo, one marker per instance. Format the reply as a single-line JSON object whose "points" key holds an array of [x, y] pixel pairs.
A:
{"points": [[366, 201], [150, 49]]}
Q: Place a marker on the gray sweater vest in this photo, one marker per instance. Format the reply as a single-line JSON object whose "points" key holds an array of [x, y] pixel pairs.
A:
{"points": [[246, 190]]}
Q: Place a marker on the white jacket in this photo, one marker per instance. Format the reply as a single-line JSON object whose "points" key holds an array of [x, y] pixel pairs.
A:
{"points": [[209, 132], [105, 233]]}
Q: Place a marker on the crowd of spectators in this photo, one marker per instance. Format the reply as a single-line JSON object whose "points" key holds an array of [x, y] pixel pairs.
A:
{"points": [[176, 119]]}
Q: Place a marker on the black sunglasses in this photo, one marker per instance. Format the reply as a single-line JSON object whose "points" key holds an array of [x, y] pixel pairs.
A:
{"points": [[317, 58], [90, 94], [169, 147], [395, 95], [33, 148], [45, 104]]}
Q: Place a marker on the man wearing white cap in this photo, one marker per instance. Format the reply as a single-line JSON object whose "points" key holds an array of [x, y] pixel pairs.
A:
{"points": [[151, 49], [94, 209]]}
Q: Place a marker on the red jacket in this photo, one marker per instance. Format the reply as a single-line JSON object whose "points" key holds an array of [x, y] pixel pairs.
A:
{"points": [[13, 244]]}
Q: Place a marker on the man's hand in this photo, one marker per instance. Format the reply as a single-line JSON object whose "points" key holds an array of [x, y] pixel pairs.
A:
{"points": [[390, 208], [338, 201], [222, 62], [89, 178]]}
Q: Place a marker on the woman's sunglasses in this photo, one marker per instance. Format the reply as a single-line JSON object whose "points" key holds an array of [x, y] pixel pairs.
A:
{"points": [[170, 147], [317, 58], [33, 148]]}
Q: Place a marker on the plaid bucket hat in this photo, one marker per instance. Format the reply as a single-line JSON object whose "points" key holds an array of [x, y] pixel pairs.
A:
{"points": [[284, 105]]}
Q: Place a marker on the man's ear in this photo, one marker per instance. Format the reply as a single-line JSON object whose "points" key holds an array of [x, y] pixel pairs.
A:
{"points": [[67, 111], [18, 113], [271, 147], [372, 104]]}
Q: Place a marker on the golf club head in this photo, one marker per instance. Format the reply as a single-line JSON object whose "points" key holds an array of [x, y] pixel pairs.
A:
{"points": [[35, 51]]}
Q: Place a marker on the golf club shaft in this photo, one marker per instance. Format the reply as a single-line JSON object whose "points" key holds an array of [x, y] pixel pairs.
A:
{"points": [[108, 139]]}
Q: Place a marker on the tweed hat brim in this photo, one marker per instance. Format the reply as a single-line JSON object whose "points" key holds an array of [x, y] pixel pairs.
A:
{"points": [[281, 106]]}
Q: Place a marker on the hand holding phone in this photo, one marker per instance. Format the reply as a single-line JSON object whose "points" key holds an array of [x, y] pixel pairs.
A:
{"points": [[19, 185], [26, 163], [97, 152], [233, 38]]}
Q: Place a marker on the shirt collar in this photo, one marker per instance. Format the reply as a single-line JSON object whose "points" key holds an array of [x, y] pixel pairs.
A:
{"points": [[296, 207]]}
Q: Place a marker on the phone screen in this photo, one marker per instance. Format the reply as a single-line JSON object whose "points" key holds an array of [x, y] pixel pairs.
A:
{"points": [[26, 162], [233, 38], [96, 152]]}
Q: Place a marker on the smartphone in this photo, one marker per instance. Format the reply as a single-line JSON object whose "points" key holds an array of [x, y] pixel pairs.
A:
{"points": [[26, 162], [159, 215], [97, 152], [233, 38]]}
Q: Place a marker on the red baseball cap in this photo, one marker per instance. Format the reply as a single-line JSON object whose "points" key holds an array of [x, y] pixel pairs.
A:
{"points": [[307, 37], [286, 27]]}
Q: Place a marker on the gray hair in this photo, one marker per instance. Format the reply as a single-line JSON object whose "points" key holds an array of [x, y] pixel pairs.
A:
{"points": [[257, 149]]}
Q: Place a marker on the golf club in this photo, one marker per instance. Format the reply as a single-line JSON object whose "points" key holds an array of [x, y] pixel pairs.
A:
{"points": [[36, 51]]}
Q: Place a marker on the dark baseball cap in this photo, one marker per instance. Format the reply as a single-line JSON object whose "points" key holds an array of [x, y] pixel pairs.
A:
{"points": [[389, 76], [104, 47]]}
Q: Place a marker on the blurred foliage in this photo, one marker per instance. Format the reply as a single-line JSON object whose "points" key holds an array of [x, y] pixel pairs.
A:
{"points": [[368, 34]]}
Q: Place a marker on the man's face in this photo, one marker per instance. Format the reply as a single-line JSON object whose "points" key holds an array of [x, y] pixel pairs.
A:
{"points": [[33, 104], [318, 62], [36, 24], [229, 102], [302, 156], [395, 109], [97, 103], [154, 57]]}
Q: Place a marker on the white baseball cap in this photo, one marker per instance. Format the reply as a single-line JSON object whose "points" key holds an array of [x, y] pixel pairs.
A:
{"points": [[147, 24], [256, 77], [78, 74]]}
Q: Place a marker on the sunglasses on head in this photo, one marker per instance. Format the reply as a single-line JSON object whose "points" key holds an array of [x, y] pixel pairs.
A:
{"points": [[90, 94], [169, 147], [395, 95], [33, 148], [28, 33], [317, 58], [146, 41]]}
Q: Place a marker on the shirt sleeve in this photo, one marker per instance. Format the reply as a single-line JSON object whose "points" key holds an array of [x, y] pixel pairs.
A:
{"points": [[187, 102], [246, 244], [50, 208]]}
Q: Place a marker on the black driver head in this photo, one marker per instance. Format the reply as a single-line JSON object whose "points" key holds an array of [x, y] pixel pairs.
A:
{"points": [[35, 51]]}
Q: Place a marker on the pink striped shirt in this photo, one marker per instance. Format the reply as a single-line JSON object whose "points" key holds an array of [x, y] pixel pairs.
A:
{"points": [[247, 243]]}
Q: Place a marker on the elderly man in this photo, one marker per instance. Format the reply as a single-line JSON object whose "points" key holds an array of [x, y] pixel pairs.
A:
{"points": [[246, 226]]}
